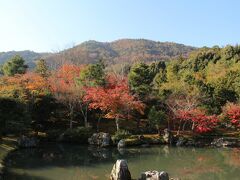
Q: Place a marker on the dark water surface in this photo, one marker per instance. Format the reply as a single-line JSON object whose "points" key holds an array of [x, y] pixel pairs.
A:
{"points": [[70, 162]]}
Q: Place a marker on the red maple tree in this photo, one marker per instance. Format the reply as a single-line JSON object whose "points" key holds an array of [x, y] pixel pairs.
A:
{"points": [[201, 123], [114, 99], [232, 112]]}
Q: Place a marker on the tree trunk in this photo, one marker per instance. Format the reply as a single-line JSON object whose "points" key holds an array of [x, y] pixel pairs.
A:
{"points": [[138, 123], [193, 126], [84, 112], [71, 117], [184, 125], [168, 123], [85, 121], [71, 124], [98, 124], [158, 129], [117, 123], [86, 117], [179, 127]]}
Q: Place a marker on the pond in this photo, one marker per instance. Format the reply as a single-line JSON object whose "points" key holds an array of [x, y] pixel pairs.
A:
{"points": [[71, 162]]}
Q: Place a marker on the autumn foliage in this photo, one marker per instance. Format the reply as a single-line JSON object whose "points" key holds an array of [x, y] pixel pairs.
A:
{"points": [[63, 80], [232, 112], [26, 84], [201, 122], [114, 99]]}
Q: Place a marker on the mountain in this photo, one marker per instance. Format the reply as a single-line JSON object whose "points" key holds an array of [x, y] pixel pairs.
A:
{"points": [[28, 56], [116, 52], [120, 51]]}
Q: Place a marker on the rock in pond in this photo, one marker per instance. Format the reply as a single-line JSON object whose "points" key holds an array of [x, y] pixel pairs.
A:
{"points": [[27, 142], [154, 175], [100, 139], [120, 171]]}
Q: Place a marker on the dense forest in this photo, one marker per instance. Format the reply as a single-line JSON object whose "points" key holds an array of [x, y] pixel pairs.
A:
{"points": [[199, 93]]}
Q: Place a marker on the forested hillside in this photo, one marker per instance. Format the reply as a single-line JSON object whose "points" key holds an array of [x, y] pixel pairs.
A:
{"points": [[199, 93], [120, 51], [29, 56], [116, 52]]}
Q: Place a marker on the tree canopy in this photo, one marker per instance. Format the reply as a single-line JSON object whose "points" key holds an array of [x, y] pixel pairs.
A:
{"points": [[15, 65]]}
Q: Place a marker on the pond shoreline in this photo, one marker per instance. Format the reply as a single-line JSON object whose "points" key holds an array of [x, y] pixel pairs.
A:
{"points": [[8, 145], [87, 162], [138, 142]]}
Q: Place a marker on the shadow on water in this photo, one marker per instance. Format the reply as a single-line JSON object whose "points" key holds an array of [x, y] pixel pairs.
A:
{"points": [[70, 155], [23, 176], [84, 162]]}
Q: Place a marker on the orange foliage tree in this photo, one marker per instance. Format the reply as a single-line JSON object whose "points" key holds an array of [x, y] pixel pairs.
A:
{"points": [[64, 86], [24, 87], [114, 99]]}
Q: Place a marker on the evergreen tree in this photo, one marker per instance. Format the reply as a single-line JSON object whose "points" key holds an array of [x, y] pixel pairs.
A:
{"points": [[41, 68], [16, 65]]}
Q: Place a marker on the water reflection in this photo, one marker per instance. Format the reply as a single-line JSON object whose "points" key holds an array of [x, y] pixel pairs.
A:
{"points": [[82, 162]]}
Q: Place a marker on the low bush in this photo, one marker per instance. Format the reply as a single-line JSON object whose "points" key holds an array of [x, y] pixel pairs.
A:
{"points": [[121, 134], [76, 135], [51, 135]]}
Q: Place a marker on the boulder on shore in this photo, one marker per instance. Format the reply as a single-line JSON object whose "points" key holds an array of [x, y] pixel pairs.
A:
{"points": [[167, 136], [100, 139], [27, 142], [226, 142], [154, 175], [121, 144], [120, 171]]}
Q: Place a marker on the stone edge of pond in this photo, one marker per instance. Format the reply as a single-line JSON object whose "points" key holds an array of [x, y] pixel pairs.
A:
{"points": [[9, 147], [104, 140]]}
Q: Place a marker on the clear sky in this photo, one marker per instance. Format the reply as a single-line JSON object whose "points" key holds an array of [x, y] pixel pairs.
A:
{"points": [[52, 25]]}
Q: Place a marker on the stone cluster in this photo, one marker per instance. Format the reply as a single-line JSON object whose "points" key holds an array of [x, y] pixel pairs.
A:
{"points": [[100, 139], [120, 171]]}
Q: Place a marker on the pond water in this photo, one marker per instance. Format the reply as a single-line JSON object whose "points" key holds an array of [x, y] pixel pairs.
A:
{"points": [[69, 162]]}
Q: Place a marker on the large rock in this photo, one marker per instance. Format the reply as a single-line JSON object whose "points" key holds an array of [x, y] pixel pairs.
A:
{"points": [[100, 139], [180, 142], [225, 142], [27, 142], [167, 136], [106, 140], [120, 171], [154, 175], [121, 144]]}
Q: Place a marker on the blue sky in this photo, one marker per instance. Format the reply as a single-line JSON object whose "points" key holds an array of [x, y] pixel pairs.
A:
{"points": [[52, 25]]}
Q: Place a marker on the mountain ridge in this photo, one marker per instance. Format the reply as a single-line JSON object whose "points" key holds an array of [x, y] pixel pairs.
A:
{"points": [[114, 52]]}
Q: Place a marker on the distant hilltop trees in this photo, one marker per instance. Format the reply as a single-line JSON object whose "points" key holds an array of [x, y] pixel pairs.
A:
{"points": [[116, 52]]}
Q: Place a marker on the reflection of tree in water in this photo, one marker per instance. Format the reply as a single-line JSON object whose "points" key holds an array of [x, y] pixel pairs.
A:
{"points": [[212, 164], [190, 163], [232, 158], [23, 176]]}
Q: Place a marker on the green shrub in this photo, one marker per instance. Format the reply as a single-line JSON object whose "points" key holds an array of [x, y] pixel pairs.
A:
{"points": [[51, 135], [121, 134], [133, 142], [76, 135], [14, 118], [156, 118]]}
